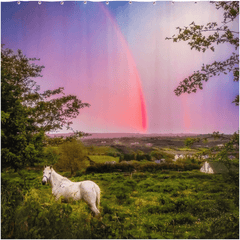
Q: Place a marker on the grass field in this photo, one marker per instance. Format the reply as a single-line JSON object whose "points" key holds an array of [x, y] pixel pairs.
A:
{"points": [[103, 159], [139, 199], [147, 205]]}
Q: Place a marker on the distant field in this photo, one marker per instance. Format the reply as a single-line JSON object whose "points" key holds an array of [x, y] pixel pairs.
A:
{"points": [[145, 144], [103, 159]]}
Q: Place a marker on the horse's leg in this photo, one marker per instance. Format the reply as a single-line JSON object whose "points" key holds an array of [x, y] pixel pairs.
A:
{"points": [[90, 198], [95, 210], [91, 201]]}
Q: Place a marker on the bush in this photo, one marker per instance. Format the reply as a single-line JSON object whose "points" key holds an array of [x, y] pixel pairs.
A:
{"points": [[121, 191], [225, 226], [163, 199], [11, 198], [129, 156], [153, 209], [107, 168], [37, 218], [51, 155], [145, 184], [72, 157], [157, 154], [186, 218]]}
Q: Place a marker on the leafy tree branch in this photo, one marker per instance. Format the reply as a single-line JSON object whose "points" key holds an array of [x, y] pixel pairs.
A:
{"points": [[27, 114], [204, 37]]}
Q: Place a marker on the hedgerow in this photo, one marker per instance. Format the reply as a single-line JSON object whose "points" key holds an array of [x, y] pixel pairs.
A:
{"points": [[129, 167]]}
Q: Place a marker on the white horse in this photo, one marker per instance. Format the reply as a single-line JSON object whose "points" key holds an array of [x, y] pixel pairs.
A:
{"points": [[61, 186]]}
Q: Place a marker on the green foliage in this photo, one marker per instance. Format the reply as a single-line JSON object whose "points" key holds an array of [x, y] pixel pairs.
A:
{"points": [[190, 141], [225, 226], [139, 156], [203, 37], [121, 191], [105, 168], [157, 154], [51, 155], [11, 198], [47, 220], [103, 158], [161, 205], [26, 113], [146, 167], [72, 157], [101, 150]]}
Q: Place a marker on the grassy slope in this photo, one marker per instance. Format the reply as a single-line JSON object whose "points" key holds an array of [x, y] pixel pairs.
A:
{"points": [[160, 205]]}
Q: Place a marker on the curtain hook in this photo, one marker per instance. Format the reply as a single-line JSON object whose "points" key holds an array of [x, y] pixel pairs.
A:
{"points": [[18, 2], [85, 2], [107, 2], [62, 2], [130, 2], [154, 3], [39, 2], [172, 2]]}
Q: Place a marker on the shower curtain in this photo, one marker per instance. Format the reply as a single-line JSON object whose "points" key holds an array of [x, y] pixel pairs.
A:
{"points": [[115, 56]]}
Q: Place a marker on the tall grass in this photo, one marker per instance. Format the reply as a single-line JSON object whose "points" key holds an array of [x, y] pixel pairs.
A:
{"points": [[160, 205]]}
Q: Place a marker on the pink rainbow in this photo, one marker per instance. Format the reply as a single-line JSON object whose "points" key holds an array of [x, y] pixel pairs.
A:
{"points": [[141, 120]]}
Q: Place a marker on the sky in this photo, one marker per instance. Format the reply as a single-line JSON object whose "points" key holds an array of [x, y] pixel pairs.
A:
{"points": [[115, 57]]}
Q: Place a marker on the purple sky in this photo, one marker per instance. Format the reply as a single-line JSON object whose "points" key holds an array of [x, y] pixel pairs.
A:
{"points": [[116, 58]]}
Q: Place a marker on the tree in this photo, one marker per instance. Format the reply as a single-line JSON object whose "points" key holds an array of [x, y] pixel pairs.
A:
{"points": [[190, 141], [51, 155], [26, 113], [72, 156], [203, 37]]}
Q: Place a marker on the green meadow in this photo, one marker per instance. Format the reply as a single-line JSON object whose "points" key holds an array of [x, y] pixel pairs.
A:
{"points": [[164, 204]]}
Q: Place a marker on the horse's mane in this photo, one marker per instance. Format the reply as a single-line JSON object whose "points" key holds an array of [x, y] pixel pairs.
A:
{"points": [[60, 176]]}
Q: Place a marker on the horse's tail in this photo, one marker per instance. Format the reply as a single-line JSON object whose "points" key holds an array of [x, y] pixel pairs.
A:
{"points": [[98, 196]]}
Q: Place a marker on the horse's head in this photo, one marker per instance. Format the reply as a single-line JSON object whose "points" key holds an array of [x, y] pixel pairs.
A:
{"points": [[46, 174]]}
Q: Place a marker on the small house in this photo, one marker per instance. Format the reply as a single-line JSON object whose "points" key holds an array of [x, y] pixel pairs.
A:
{"points": [[214, 167]]}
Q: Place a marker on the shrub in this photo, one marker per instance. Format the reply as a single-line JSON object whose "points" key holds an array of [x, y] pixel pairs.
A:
{"points": [[181, 204], [168, 207], [146, 184], [11, 197], [130, 183], [154, 188], [164, 199], [72, 157], [225, 226], [106, 209], [185, 218], [51, 155], [105, 168], [40, 219], [139, 176], [153, 209], [121, 191]]}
